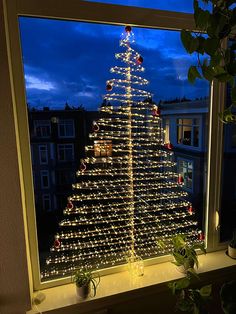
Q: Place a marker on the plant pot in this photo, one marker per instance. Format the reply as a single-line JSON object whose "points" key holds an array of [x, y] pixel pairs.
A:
{"points": [[231, 251], [184, 268], [83, 292]]}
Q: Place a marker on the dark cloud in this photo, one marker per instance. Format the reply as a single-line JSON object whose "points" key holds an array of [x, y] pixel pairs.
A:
{"points": [[70, 61]]}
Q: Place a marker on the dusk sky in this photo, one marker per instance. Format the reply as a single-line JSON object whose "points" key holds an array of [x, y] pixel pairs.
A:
{"points": [[70, 62]]}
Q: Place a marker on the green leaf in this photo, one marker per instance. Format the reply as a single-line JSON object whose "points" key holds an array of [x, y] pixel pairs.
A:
{"points": [[223, 77], [201, 18], [179, 258], [161, 244], [233, 94], [211, 45], [206, 291], [185, 305], [192, 273], [208, 72], [193, 74], [182, 283], [195, 309], [201, 42], [190, 43], [215, 59]]}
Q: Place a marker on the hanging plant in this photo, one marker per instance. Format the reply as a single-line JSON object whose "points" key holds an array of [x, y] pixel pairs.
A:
{"points": [[215, 62]]}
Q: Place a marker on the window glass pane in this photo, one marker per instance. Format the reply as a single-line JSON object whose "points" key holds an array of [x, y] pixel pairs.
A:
{"points": [[169, 5], [127, 175], [228, 194]]}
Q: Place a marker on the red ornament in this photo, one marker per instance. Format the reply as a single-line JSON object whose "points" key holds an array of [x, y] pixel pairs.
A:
{"points": [[168, 145], [95, 126], [156, 111], [139, 60], [201, 236], [82, 165], [57, 242], [180, 179], [190, 209], [128, 29], [109, 87], [70, 205]]}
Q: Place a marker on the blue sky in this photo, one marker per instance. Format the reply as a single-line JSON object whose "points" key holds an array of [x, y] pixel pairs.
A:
{"points": [[67, 61]]}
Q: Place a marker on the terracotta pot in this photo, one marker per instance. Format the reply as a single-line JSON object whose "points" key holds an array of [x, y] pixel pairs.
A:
{"points": [[83, 292], [231, 251]]}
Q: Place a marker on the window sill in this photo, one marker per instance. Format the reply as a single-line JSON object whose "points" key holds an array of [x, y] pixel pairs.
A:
{"points": [[121, 286]]}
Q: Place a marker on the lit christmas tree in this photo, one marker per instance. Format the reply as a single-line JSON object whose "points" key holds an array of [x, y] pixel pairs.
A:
{"points": [[128, 195]]}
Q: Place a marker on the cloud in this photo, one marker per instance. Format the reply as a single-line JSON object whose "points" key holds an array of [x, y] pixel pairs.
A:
{"points": [[66, 61], [33, 82]]}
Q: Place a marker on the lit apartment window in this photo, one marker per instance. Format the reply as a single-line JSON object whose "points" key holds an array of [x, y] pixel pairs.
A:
{"points": [[188, 132], [43, 154], [44, 179], [167, 131], [185, 168], [102, 148], [66, 128], [42, 128], [65, 152], [46, 200]]}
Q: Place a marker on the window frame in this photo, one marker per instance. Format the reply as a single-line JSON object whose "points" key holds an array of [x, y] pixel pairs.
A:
{"points": [[44, 173], [42, 151], [60, 146], [192, 125], [62, 122], [41, 124], [79, 10]]}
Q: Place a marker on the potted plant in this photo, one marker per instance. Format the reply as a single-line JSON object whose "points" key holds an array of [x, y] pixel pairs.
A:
{"points": [[189, 298], [214, 60], [185, 254], [232, 246], [84, 281]]}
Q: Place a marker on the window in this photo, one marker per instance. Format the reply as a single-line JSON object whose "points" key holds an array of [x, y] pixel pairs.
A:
{"points": [[42, 128], [166, 126], [46, 198], [44, 179], [65, 176], [102, 148], [185, 168], [65, 152], [188, 132], [183, 80], [170, 5], [43, 154], [66, 128]]}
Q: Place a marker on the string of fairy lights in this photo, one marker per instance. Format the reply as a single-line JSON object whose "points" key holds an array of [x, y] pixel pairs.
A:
{"points": [[128, 195]]}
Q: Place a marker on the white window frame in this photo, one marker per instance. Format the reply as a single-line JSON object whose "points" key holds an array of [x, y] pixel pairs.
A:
{"points": [[44, 173], [63, 123], [192, 125], [41, 148], [64, 147], [100, 13]]}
